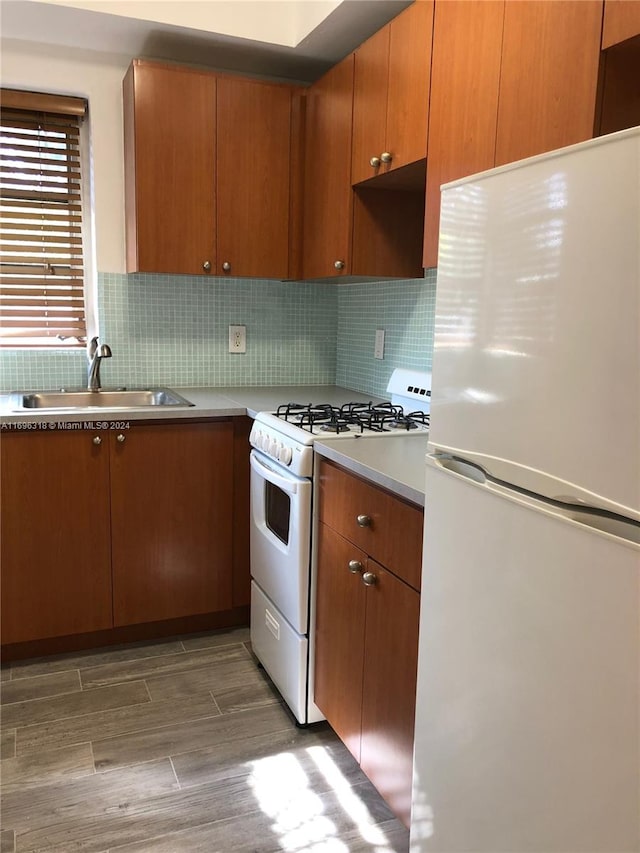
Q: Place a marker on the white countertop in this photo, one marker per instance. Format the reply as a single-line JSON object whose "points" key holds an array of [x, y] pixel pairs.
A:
{"points": [[396, 463]]}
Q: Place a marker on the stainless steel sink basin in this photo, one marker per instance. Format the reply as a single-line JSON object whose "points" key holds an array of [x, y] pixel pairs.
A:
{"points": [[120, 398]]}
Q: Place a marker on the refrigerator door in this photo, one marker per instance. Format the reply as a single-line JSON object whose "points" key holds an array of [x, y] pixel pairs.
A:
{"points": [[537, 341], [528, 702]]}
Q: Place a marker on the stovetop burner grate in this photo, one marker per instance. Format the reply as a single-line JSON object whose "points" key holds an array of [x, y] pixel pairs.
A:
{"points": [[351, 417]]}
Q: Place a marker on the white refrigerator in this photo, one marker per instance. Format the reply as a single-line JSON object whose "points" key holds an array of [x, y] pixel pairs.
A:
{"points": [[528, 701]]}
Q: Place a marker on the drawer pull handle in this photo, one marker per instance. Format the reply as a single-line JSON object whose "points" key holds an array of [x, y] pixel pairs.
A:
{"points": [[120, 438], [364, 520], [369, 579], [97, 440], [355, 566]]}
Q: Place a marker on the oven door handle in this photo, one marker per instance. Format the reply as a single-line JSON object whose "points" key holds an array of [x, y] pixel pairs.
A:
{"points": [[267, 473]]}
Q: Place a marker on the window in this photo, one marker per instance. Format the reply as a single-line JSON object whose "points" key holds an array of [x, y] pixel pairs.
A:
{"points": [[42, 293]]}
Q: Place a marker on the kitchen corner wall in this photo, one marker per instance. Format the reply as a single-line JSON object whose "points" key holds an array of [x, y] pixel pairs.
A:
{"points": [[405, 309], [173, 330]]}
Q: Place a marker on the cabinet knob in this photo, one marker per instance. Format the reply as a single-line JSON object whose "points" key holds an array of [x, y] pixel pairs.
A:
{"points": [[206, 265], [120, 437], [369, 579], [226, 266], [364, 520], [96, 439], [339, 265], [375, 162], [355, 566], [386, 157]]}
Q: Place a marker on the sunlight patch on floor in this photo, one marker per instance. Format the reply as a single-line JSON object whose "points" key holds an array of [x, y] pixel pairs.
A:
{"points": [[282, 789], [284, 793], [350, 802]]}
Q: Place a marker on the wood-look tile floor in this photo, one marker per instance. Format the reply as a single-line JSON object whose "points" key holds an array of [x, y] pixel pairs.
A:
{"points": [[176, 746]]}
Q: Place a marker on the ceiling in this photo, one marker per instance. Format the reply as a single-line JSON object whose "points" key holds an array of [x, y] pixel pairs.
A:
{"points": [[346, 25]]}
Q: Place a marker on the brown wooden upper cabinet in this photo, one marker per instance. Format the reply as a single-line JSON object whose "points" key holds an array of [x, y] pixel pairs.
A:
{"points": [[206, 172], [548, 77], [463, 113], [621, 21], [391, 94], [509, 80], [170, 169], [328, 198], [362, 232], [253, 131]]}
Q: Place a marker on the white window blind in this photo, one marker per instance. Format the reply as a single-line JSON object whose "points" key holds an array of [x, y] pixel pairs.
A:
{"points": [[42, 294]]}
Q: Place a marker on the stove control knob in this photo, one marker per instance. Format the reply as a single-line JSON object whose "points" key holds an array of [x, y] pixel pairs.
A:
{"points": [[274, 447], [257, 438], [285, 455]]}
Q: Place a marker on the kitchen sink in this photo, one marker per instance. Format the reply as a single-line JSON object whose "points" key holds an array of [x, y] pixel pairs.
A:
{"points": [[117, 398]]}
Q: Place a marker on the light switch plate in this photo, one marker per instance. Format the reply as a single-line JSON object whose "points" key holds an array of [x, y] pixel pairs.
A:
{"points": [[378, 351], [237, 339]]}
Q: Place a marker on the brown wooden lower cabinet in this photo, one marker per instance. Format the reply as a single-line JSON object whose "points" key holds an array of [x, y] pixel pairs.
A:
{"points": [[389, 687], [171, 521], [108, 528], [55, 547], [340, 629], [366, 661]]}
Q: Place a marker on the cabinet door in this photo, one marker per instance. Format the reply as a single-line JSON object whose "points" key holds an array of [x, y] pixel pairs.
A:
{"points": [[169, 169], [340, 623], [549, 75], [328, 197], [621, 21], [370, 88], [382, 525], [389, 687], [410, 42], [253, 145], [391, 94], [171, 517], [463, 110], [55, 547]]}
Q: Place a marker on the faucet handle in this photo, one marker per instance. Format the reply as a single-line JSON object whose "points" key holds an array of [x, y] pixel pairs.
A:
{"points": [[93, 346]]}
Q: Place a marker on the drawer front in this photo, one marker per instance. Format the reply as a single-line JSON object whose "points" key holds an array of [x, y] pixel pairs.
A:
{"points": [[382, 525]]}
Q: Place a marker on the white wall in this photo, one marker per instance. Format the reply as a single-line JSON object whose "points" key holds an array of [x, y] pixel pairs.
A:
{"points": [[97, 77], [285, 22]]}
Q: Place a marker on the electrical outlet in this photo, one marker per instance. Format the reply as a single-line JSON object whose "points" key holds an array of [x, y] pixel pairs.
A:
{"points": [[237, 339], [378, 351]]}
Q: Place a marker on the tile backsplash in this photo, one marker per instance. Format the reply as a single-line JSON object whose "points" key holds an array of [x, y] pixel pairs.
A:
{"points": [[405, 310], [173, 330]]}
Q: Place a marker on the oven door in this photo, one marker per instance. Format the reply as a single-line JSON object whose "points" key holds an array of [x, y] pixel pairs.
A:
{"points": [[280, 537]]}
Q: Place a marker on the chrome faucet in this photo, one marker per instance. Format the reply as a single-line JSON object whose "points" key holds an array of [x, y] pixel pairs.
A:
{"points": [[95, 354]]}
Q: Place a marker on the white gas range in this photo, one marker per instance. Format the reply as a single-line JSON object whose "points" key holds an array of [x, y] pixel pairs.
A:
{"points": [[287, 435], [282, 548]]}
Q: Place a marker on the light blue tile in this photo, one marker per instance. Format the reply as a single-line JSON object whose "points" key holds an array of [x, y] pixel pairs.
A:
{"points": [[404, 309], [173, 330]]}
